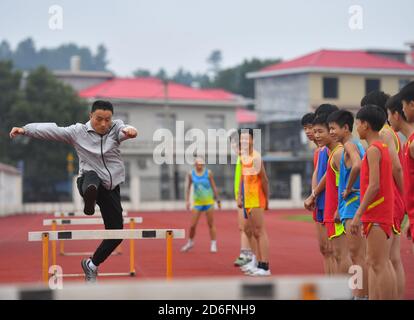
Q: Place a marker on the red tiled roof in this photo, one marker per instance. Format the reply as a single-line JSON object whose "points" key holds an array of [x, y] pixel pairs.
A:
{"points": [[153, 88], [340, 59], [245, 116]]}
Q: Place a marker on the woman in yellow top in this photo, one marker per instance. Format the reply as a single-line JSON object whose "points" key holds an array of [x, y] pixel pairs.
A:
{"points": [[204, 193], [254, 185]]}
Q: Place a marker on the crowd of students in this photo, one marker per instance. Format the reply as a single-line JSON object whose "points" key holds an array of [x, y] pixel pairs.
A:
{"points": [[361, 195]]}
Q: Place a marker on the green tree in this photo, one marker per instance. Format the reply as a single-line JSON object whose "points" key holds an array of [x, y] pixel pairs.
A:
{"points": [[214, 61], [235, 80], [142, 73], [45, 99], [10, 95]]}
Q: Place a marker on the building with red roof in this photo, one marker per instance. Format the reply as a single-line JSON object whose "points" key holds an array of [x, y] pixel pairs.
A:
{"points": [[150, 104], [284, 92], [289, 89]]}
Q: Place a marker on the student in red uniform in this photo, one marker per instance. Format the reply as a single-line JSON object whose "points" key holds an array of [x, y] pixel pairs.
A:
{"points": [[316, 201], [399, 123], [331, 220], [391, 139], [407, 98], [377, 200]]}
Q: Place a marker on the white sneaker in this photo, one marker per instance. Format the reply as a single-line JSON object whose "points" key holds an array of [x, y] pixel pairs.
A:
{"points": [[252, 264], [259, 272], [213, 247], [250, 271], [187, 246]]}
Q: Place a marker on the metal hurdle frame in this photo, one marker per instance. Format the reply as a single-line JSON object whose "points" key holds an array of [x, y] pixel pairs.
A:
{"points": [[131, 234], [80, 215], [82, 221]]}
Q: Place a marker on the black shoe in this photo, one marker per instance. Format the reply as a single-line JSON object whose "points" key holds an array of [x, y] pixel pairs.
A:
{"points": [[90, 199], [90, 275]]}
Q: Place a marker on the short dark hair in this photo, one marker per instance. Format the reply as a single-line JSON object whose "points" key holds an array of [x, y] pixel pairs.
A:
{"points": [[376, 97], [102, 105], [394, 104], [249, 131], [342, 118], [321, 120], [307, 119], [407, 92], [372, 114], [325, 108]]}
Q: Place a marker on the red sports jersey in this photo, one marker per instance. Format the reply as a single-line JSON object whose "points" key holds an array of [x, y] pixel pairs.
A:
{"points": [[380, 210], [331, 187], [399, 206], [409, 179]]}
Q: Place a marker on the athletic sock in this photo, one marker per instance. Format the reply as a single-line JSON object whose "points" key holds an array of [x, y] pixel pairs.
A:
{"points": [[263, 265]]}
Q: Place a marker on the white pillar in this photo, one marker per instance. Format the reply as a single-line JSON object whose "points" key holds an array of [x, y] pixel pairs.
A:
{"points": [[76, 197], [135, 193], [296, 189]]}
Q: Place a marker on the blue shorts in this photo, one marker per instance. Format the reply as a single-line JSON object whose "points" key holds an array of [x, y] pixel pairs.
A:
{"points": [[319, 215], [349, 207], [203, 208]]}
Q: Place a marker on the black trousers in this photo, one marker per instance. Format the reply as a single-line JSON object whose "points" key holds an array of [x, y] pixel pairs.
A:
{"points": [[109, 201]]}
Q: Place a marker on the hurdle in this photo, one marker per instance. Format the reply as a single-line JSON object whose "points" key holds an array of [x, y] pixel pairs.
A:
{"points": [[73, 214], [85, 221], [79, 214], [129, 234]]}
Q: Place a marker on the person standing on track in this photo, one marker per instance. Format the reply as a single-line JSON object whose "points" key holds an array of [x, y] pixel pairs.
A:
{"points": [[101, 168], [247, 241], [204, 195]]}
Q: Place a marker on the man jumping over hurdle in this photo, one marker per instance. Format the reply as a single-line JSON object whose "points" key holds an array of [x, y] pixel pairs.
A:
{"points": [[101, 169]]}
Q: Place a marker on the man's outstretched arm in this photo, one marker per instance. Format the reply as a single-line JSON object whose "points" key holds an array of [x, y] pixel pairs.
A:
{"points": [[45, 131], [127, 132]]}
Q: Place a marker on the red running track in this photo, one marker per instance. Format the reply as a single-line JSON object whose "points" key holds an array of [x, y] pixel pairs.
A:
{"points": [[293, 249]]}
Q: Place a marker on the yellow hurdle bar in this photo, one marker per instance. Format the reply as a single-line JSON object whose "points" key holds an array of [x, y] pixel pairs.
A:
{"points": [[169, 254], [45, 257], [132, 251]]}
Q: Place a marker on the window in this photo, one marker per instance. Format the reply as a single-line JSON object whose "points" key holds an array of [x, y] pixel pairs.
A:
{"points": [[124, 116], [215, 121], [165, 121], [402, 83], [372, 85], [330, 88]]}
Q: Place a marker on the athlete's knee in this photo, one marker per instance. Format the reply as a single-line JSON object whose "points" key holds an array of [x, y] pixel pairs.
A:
{"points": [[395, 258], [257, 232], [248, 231]]}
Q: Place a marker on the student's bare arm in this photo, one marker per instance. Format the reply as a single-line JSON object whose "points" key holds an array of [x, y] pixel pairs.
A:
{"points": [[353, 152], [412, 150], [265, 182], [388, 138], [187, 195], [213, 185]]}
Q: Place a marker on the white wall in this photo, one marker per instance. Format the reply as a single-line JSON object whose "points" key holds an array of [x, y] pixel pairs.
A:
{"points": [[11, 193]]}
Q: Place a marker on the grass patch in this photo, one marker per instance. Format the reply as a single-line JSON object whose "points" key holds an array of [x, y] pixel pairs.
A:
{"points": [[299, 217]]}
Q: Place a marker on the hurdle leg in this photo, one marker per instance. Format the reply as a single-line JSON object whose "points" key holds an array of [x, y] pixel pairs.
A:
{"points": [[54, 244], [169, 254], [45, 257], [61, 243], [132, 251]]}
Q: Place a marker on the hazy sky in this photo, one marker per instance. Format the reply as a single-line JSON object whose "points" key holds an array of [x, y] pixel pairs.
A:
{"points": [[181, 33]]}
